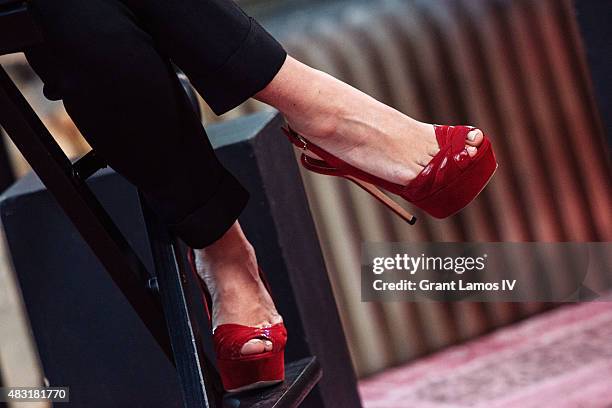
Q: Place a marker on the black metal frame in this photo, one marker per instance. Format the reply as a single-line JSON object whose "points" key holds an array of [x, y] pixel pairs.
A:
{"points": [[67, 184], [195, 372]]}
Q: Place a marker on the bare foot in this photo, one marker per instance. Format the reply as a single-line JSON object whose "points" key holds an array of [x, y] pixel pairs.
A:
{"points": [[229, 269], [352, 125]]}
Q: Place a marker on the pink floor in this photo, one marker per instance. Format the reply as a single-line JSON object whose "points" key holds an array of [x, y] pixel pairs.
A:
{"points": [[560, 359]]}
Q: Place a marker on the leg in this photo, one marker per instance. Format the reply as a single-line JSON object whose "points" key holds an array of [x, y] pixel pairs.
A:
{"points": [[228, 57], [226, 54], [125, 99], [353, 125]]}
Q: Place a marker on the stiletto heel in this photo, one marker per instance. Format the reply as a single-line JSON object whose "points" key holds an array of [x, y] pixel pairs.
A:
{"points": [[385, 199], [245, 372], [449, 182]]}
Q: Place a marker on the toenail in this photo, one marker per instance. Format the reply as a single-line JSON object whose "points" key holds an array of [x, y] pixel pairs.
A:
{"points": [[472, 135], [471, 149]]}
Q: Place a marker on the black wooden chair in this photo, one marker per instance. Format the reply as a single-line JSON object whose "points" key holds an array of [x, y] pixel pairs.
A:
{"points": [[163, 291]]}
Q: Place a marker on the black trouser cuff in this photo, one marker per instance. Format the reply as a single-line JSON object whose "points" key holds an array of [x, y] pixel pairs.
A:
{"points": [[210, 221], [249, 70]]}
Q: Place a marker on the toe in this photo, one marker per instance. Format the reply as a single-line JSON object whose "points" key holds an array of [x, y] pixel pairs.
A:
{"points": [[424, 161], [474, 138], [471, 150], [255, 346]]}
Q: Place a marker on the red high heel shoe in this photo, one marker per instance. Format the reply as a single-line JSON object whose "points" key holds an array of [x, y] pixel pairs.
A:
{"points": [[449, 182], [245, 372]]}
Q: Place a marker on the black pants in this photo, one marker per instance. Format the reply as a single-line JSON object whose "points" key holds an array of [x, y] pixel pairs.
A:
{"points": [[109, 61]]}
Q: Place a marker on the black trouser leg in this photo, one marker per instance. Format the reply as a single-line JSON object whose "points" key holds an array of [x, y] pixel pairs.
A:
{"points": [[226, 54], [109, 62]]}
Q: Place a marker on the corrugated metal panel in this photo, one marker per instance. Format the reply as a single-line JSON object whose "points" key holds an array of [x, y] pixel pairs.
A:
{"points": [[513, 68]]}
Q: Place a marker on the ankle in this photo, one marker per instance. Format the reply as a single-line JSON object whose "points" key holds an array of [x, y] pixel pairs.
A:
{"points": [[231, 244], [305, 97], [232, 251], [229, 275]]}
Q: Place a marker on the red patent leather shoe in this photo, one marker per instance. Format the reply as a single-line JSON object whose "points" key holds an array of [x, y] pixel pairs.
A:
{"points": [[449, 182], [246, 372]]}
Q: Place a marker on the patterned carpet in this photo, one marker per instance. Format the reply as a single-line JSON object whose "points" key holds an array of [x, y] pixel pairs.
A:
{"points": [[561, 359]]}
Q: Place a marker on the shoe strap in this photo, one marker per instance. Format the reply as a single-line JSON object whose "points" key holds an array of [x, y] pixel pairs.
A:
{"points": [[452, 159], [331, 165], [319, 166], [295, 138], [230, 338], [449, 162]]}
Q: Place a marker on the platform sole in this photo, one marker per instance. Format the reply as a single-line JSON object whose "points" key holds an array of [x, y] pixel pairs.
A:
{"points": [[447, 201], [250, 373], [458, 194]]}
